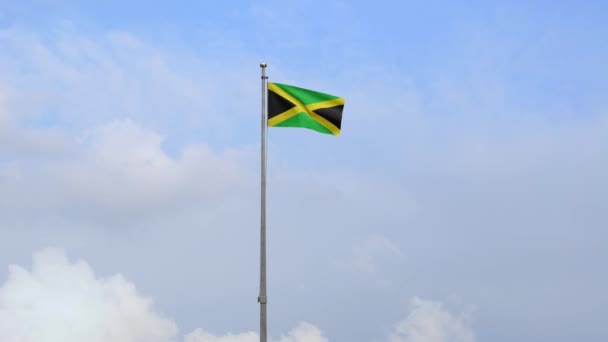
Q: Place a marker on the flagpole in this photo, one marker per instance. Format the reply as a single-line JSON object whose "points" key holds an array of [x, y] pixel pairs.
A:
{"points": [[262, 299]]}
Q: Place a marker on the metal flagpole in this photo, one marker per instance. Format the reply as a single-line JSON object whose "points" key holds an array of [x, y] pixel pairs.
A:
{"points": [[262, 297]]}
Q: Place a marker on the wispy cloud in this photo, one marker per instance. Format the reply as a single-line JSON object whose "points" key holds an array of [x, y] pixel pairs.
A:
{"points": [[367, 253], [77, 81]]}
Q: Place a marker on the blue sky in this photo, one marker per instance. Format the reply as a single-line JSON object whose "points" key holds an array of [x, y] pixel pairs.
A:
{"points": [[464, 200]]}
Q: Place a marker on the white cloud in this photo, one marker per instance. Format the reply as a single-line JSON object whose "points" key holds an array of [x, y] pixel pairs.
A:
{"points": [[54, 90], [65, 301], [124, 166], [59, 300], [199, 335], [121, 169], [430, 322], [304, 332]]}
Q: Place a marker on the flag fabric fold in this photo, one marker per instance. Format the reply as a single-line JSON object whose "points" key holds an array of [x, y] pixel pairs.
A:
{"points": [[290, 106]]}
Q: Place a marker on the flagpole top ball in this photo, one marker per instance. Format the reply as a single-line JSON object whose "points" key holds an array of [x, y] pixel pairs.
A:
{"points": [[262, 65]]}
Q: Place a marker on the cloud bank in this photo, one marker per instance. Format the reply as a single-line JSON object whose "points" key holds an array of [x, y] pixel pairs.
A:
{"points": [[304, 332], [63, 300], [59, 300]]}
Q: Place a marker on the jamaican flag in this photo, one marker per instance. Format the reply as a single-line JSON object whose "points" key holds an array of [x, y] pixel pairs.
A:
{"points": [[290, 106]]}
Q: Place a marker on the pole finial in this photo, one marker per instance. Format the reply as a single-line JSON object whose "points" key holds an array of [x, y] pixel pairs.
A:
{"points": [[263, 65]]}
